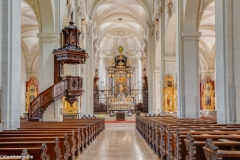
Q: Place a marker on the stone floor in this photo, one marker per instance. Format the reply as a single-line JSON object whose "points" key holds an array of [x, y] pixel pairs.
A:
{"points": [[118, 142]]}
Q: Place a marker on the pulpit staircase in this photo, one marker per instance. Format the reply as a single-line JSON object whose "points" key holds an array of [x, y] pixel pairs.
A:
{"points": [[70, 86]]}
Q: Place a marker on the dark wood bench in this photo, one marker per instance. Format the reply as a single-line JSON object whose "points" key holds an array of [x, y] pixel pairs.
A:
{"points": [[194, 150], [32, 134], [213, 153], [159, 132]]}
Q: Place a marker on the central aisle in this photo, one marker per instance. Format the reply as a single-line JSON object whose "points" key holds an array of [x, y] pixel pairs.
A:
{"points": [[119, 142]]}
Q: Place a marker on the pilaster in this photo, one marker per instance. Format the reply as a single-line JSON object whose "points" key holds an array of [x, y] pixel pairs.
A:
{"points": [[162, 62], [191, 74], [227, 61], [150, 69], [46, 59], [90, 70], [10, 53], [191, 79]]}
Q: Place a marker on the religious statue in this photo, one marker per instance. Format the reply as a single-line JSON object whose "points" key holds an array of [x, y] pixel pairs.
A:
{"points": [[120, 88], [120, 63], [70, 8]]}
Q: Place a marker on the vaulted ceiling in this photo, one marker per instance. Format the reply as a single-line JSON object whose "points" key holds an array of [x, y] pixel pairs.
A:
{"points": [[29, 40], [120, 23], [207, 39]]}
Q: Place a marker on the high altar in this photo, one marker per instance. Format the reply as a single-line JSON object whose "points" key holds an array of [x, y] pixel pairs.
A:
{"points": [[169, 101], [120, 95]]}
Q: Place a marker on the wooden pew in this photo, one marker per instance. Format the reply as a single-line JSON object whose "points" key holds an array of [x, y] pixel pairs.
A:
{"points": [[194, 150], [8, 147], [84, 133], [213, 153], [158, 132], [178, 143]]}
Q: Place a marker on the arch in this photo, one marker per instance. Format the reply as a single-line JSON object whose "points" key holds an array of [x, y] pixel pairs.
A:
{"points": [[107, 31], [203, 62], [206, 58], [135, 19], [46, 10], [191, 16], [143, 3], [170, 35], [202, 8], [34, 63]]}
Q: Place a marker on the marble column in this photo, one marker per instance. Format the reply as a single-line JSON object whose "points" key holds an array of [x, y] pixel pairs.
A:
{"points": [[10, 64], [150, 69], [227, 61]]}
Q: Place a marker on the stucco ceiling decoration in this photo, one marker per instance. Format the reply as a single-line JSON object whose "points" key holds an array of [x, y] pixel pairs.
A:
{"points": [[120, 23], [207, 28], [29, 30]]}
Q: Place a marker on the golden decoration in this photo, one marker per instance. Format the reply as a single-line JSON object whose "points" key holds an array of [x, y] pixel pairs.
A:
{"points": [[208, 95], [121, 80], [120, 49], [67, 108], [169, 100], [31, 91]]}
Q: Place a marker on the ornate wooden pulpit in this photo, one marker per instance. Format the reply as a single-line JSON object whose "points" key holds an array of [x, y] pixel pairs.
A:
{"points": [[69, 86]]}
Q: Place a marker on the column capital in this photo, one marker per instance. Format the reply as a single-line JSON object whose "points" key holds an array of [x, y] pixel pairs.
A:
{"points": [[46, 37], [169, 58], [191, 35]]}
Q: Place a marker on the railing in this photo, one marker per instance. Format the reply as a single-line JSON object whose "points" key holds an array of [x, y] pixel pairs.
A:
{"points": [[72, 116], [71, 87]]}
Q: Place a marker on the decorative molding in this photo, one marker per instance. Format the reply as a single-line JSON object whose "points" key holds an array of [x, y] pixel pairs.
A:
{"points": [[169, 58], [191, 35], [47, 37], [169, 9]]}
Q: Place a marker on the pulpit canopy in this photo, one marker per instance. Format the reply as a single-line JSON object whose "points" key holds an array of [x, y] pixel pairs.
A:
{"points": [[71, 53]]}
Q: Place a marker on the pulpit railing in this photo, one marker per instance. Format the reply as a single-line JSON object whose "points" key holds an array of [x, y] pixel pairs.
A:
{"points": [[71, 87]]}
